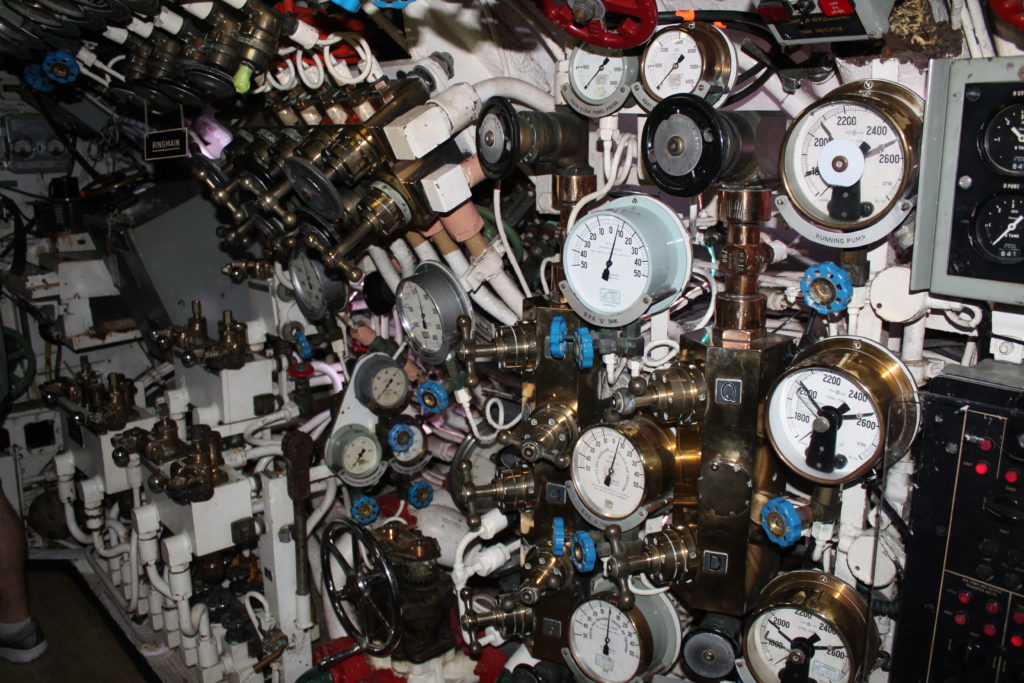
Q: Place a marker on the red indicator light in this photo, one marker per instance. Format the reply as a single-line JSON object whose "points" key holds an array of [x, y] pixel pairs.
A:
{"points": [[985, 444], [1012, 476], [981, 468], [960, 618], [1018, 617], [964, 597], [992, 607], [1016, 641], [989, 629]]}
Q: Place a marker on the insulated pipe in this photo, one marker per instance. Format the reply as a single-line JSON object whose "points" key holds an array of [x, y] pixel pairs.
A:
{"points": [[402, 253], [482, 296], [330, 493], [516, 90], [423, 249], [325, 369], [382, 261]]}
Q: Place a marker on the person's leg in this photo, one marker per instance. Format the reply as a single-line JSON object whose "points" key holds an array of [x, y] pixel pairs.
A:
{"points": [[21, 639]]}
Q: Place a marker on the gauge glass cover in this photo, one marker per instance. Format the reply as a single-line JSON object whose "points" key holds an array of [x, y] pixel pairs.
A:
{"points": [[389, 386], [672, 63], [608, 263], [422, 317], [1003, 141], [773, 632], [361, 455], [604, 642], [997, 233], [608, 473], [596, 73]]}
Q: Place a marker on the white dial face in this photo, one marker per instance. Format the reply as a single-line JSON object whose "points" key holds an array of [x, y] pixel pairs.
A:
{"points": [[361, 455], [823, 424], [606, 263], [421, 316], [608, 473], [844, 164], [604, 642], [672, 64], [771, 638], [596, 73], [389, 386], [411, 443], [306, 283]]}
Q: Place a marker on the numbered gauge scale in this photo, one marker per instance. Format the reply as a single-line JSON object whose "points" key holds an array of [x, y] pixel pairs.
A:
{"points": [[429, 304], [315, 292], [599, 80], [380, 383], [692, 58], [356, 455], [630, 257], [849, 164], [621, 473], [829, 414], [810, 626]]}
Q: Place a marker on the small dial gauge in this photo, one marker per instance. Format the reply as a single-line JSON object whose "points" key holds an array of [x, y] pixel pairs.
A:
{"points": [[315, 292], [608, 472], [429, 304], [997, 232], [1003, 141], [355, 454], [381, 383], [361, 455], [422, 317], [605, 642], [598, 246], [672, 63], [780, 631], [596, 74]]}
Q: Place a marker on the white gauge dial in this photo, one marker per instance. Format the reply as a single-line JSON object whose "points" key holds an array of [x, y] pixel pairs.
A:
{"points": [[389, 386], [596, 74], [824, 424], [306, 282], [672, 63], [361, 455], [777, 632], [608, 473], [604, 642], [845, 164], [607, 263], [421, 317]]}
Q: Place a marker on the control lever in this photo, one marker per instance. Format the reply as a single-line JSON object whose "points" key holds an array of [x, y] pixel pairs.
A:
{"points": [[667, 556], [511, 490], [508, 617], [621, 561]]}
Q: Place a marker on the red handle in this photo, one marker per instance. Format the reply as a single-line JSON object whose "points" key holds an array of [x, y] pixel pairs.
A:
{"points": [[640, 22], [1010, 11]]}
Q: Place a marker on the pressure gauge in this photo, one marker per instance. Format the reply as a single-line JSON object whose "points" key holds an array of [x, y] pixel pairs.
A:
{"points": [[381, 383], [849, 162], [630, 257], [599, 80], [1003, 141], [315, 292], [832, 412], [607, 643], [430, 302], [354, 452], [810, 626], [693, 58], [621, 473], [996, 232]]}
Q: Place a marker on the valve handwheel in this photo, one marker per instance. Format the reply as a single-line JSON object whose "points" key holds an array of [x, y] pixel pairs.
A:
{"points": [[370, 588], [587, 20], [1010, 11]]}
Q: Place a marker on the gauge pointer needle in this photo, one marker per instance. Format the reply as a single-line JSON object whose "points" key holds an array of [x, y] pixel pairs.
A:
{"points": [[611, 467], [875, 150], [821, 451], [607, 273], [607, 635], [1020, 135], [599, 70], [810, 397], [1010, 229], [674, 66]]}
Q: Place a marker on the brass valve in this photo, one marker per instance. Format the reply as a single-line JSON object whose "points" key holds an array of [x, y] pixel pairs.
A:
{"points": [[351, 273], [239, 271], [546, 574], [676, 394], [548, 433], [667, 556], [511, 490], [507, 616], [515, 347]]}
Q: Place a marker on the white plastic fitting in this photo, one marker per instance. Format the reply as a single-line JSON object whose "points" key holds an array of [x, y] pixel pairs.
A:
{"points": [[492, 523]]}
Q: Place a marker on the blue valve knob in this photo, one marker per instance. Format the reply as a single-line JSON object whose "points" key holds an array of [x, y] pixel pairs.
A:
{"points": [[826, 288], [584, 552], [432, 396], [395, 440], [584, 347], [781, 522], [557, 343], [37, 78], [420, 495], [558, 537], [305, 350], [348, 5], [61, 67], [393, 4], [364, 510]]}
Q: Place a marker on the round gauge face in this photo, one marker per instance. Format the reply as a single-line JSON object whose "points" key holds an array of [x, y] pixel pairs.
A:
{"points": [[361, 455], [604, 642], [1003, 141], [824, 425], [672, 63], [409, 443], [389, 386], [307, 283], [845, 165], [606, 263], [608, 473], [421, 318], [997, 233], [776, 632], [596, 74]]}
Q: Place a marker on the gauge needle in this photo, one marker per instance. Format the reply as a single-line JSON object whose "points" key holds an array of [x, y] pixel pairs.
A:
{"points": [[1020, 135], [807, 394], [607, 273], [599, 70], [673, 68], [856, 416], [1010, 229], [875, 150], [827, 131], [607, 635], [611, 468]]}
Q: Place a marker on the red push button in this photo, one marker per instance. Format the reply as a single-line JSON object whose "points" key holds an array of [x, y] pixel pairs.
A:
{"points": [[985, 445], [989, 629], [992, 607], [960, 618], [835, 8], [1012, 476], [981, 467], [1018, 617], [774, 12], [1016, 641], [964, 597]]}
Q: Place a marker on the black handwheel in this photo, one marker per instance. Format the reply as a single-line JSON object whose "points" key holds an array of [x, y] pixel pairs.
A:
{"points": [[683, 145], [21, 364], [370, 588]]}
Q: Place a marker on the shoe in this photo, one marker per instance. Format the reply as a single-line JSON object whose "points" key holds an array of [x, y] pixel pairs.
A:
{"points": [[25, 647]]}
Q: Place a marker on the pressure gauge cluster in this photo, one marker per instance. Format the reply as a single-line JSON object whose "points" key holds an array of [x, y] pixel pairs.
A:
{"points": [[849, 164], [600, 80], [630, 257], [381, 383], [810, 626], [692, 58], [621, 473], [429, 303], [834, 412]]}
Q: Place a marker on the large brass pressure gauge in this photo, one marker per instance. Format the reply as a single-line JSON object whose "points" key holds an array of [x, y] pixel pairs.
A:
{"points": [[832, 412], [810, 626], [849, 164], [621, 473], [693, 58]]}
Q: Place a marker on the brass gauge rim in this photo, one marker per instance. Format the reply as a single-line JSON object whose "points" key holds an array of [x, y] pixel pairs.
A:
{"points": [[884, 379], [715, 48], [636, 618], [901, 108], [828, 599], [631, 72]]}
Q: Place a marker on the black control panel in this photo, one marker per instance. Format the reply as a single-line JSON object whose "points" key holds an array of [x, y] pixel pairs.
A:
{"points": [[961, 616]]}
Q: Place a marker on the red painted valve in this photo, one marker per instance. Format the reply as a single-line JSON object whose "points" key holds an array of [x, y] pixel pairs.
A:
{"points": [[586, 20], [1010, 11]]}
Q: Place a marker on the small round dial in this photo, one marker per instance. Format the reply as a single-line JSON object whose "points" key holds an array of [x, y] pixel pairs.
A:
{"points": [[1003, 141], [389, 386], [605, 643], [361, 455], [672, 63], [429, 304], [596, 74], [777, 632], [307, 283], [608, 473], [997, 232], [422, 317], [610, 260], [355, 454]]}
